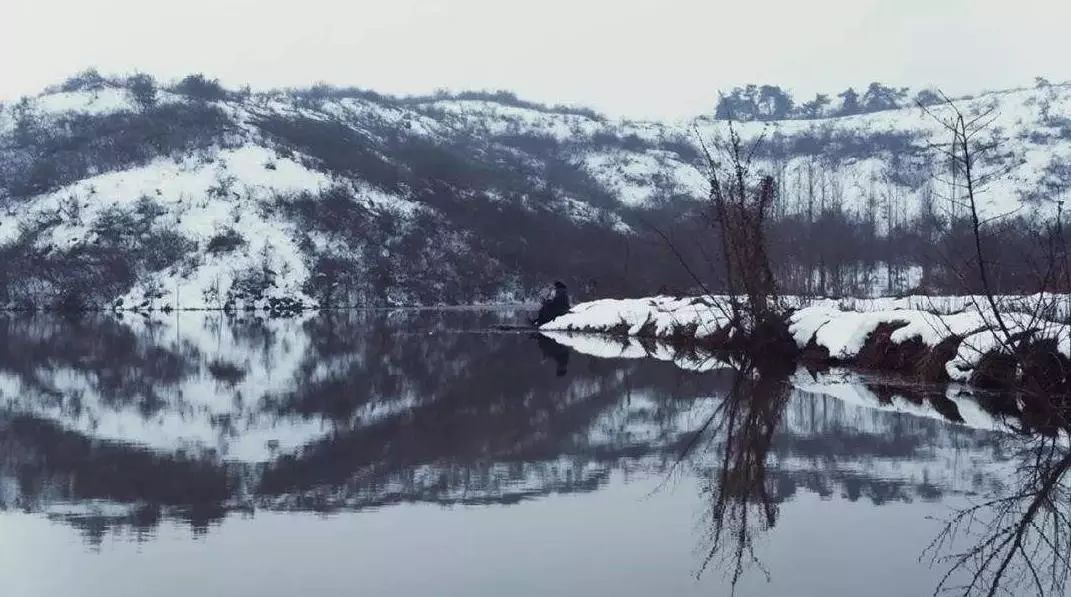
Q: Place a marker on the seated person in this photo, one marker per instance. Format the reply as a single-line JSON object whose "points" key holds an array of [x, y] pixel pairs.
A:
{"points": [[552, 307]]}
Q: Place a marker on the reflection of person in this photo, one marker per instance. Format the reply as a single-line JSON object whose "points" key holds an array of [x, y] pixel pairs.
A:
{"points": [[552, 307], [555, 351]]}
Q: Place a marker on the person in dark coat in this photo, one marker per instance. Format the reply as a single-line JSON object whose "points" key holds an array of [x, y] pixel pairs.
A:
{"points": [[556, 305]]}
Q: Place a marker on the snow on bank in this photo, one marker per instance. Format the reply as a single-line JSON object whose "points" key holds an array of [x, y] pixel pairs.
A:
{"points": [[843, 333], [659, 316], [825, 323]]}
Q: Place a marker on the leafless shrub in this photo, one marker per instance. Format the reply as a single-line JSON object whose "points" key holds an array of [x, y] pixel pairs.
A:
{"points": [[740, 205]]}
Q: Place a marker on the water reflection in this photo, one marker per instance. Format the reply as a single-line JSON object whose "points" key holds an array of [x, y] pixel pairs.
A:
{"points": [[555, 352], [116, 426], [743, 497], [195, 416], [1017, 540]]}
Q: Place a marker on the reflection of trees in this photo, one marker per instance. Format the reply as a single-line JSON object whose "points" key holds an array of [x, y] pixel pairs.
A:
{"points": [[485, 409], [127, 367], [409, 416], [358, 360], [55, 465], [743, 498], [1016, 540]]}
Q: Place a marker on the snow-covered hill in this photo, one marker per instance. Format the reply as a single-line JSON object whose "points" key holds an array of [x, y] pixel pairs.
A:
{"points": [[893, 158], [197, 197]]}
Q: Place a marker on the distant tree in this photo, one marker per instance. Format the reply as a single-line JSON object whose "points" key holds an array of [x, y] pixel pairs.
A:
{"points": [[754, 102], [774, 103], [927, 97], [816, 107], [929, 224], [142, 88], [1041, 82], [197, 86], [849, 102], [25, 133], [321, 91], [86, 80], [879, 97], [725, 108], [314, 96]]}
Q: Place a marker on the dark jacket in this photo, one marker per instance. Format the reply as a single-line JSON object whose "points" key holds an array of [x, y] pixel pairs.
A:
{"points": [[553, 307]]}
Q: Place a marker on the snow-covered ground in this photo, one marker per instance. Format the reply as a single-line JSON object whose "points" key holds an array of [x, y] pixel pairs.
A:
{"points": [[839, 326], [659, 316]]}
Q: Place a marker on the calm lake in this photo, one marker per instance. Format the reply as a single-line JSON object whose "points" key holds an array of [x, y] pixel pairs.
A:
{"points": [[424, 453]]}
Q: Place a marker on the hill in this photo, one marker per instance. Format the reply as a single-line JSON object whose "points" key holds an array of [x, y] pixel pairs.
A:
{"points": [[122, 192]]}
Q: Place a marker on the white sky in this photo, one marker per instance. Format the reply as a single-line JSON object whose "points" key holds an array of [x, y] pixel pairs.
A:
{"points": [[654, 58]]}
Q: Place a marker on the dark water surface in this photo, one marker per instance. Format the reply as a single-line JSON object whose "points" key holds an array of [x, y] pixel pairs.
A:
{"points": [[420, 453]]}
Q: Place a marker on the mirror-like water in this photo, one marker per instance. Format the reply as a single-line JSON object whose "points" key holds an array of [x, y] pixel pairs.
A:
{"points": [[420, 452]]}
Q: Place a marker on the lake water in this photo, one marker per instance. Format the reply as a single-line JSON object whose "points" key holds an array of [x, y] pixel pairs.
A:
{"points": [[424, 453]]}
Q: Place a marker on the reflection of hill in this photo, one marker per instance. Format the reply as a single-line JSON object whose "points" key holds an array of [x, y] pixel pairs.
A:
{"points": [[502, 417], [116, 424], [94, 484]]}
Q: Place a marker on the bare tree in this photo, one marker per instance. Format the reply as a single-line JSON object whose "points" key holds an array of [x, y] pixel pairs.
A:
{"points": [[964, 152], [1018, 540], [741, 204], [1022, 328]]}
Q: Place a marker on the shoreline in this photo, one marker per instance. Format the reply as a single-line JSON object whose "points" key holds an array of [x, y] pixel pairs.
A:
{"points": [[957, 346]]}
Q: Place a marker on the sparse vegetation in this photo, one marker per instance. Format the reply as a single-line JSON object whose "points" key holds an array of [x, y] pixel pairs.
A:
{"points": [[200, 87], [143, 89], [47, 155], [225, 241]]}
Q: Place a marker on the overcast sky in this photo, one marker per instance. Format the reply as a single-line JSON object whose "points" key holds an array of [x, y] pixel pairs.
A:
{"points": [[664, 58]]}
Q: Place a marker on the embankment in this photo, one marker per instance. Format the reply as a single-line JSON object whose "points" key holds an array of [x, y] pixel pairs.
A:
{"points": [[940, 344]]}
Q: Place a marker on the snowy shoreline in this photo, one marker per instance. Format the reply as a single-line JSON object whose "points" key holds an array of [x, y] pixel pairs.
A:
{"points": [[938, 338]]}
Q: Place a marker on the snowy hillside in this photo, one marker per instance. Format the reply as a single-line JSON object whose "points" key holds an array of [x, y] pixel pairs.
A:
{"points": [[889, 157], [112, 195]]}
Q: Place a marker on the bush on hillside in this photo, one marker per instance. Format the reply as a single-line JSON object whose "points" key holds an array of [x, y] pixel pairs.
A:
{"points": [[225, 241], [199, 87], [87, 80], [142, 88]]}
